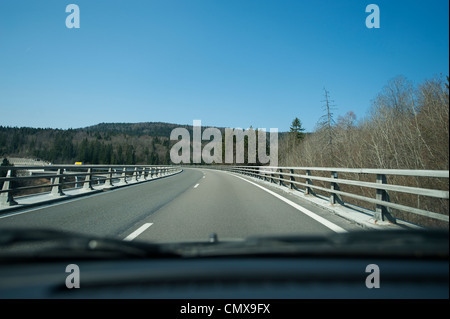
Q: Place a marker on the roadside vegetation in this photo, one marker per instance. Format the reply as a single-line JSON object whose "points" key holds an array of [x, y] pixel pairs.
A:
{"points": [[407, 127]]}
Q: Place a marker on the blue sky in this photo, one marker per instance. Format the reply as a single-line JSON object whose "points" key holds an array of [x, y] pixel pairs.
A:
{"points": [[228, 63]]}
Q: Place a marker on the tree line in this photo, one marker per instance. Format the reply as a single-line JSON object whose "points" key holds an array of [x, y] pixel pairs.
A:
{"points": [[84, 145]]}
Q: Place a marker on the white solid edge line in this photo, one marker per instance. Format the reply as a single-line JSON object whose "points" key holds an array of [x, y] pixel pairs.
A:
{"points": [[137, 232], [305, 211]]}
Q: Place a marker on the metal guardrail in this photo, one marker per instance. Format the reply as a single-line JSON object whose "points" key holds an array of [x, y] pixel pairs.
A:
{"points": [[79, 176], [294, 177], [298, 178]]}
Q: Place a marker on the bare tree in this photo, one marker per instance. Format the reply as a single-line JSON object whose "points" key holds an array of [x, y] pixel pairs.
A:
{"points": [[326, 127]]}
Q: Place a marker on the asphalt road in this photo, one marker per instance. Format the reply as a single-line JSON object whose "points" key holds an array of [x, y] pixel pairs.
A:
{"points": [[187, 206]]}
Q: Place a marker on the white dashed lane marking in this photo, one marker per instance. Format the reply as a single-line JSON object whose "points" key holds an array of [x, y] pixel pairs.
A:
{"points": [[137, 232]]}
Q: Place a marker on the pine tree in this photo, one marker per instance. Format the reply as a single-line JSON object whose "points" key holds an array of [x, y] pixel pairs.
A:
{"points": [[6, 162], [297, 129], [3, 173]]}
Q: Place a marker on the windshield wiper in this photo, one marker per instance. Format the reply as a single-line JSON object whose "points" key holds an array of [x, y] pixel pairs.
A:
{"points": [[376, 243], [52, 244], [44, 243]]}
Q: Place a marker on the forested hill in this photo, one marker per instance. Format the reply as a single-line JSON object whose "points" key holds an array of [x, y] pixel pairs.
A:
{"points": [[106, 143]]}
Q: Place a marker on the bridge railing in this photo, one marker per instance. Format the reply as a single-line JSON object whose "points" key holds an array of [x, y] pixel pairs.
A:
{"points": [[358, 183], [17, 180]]}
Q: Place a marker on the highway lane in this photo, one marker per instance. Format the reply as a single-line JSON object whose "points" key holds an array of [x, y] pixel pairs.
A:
{"points": [[110, 213], [187, 206], [230, 207]]}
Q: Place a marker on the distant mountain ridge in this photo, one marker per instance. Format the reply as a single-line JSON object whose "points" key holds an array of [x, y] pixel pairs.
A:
{"points": [[160, 129]]}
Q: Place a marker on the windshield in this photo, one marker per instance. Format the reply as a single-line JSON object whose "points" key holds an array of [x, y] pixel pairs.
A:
{"points": [[176, 122]]}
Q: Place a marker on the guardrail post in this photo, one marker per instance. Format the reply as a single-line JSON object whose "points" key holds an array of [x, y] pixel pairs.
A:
{"points": [[88, 181], [108, 181], [57, 183], [123, 178], [258, 173], [152, 172], [280, 182], [382, 212], [292, 179], [6, 199], [334, 186], [143, 172], [309, 182], [135, 174]]}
